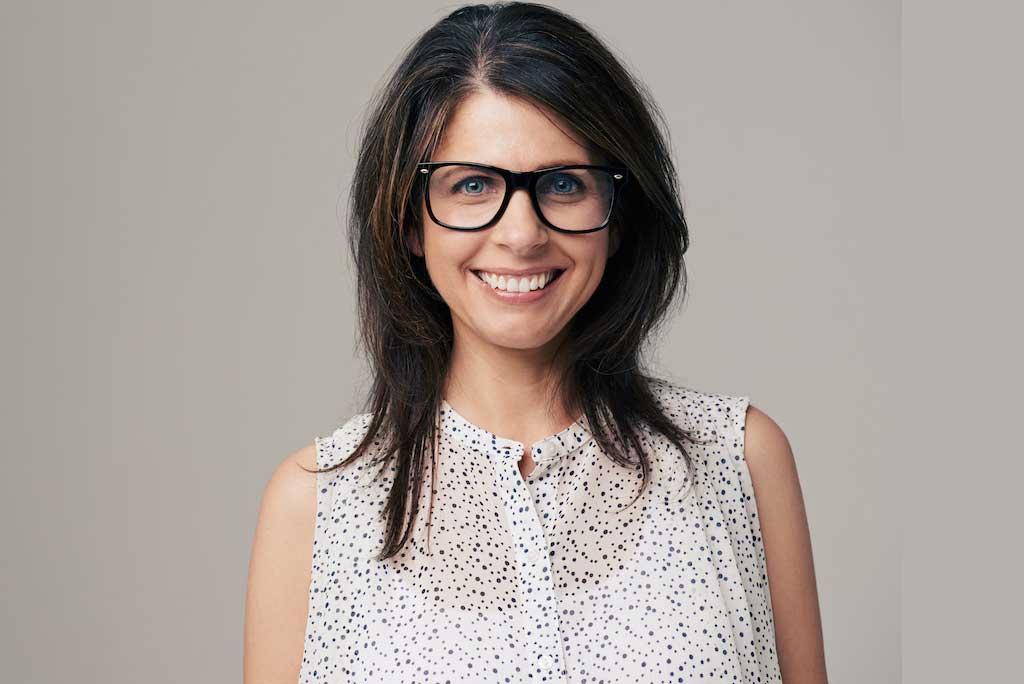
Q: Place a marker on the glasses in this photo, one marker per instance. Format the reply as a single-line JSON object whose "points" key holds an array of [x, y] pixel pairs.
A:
{"points": [[574, 198]]}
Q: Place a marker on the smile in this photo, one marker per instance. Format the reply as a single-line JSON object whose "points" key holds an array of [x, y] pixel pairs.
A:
{"points": [[501, 287]]}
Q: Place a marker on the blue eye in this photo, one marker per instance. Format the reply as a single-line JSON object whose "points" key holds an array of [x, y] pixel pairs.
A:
{"points": [[561, 184], [474, 181]]}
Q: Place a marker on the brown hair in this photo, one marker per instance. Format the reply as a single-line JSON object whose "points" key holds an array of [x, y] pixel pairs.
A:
{"points": [[539, 54]]}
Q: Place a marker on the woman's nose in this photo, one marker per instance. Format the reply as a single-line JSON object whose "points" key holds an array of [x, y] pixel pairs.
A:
{"points": [[520, 226]]}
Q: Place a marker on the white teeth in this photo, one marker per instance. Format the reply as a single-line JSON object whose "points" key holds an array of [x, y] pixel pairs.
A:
{"points": [[513, 284]]}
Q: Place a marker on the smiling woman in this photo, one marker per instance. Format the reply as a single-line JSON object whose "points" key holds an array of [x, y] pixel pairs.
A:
{"points": [[587, 520], [515, 242]]}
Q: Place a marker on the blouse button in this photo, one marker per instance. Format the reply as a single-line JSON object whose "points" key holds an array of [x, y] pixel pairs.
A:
{"points": [[545, 661]]}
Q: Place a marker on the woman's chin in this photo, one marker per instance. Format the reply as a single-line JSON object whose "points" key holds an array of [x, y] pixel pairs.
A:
{"points": [[522, 340]]}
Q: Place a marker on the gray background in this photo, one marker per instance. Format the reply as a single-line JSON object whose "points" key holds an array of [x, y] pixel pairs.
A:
{"points": [[178, 303]]}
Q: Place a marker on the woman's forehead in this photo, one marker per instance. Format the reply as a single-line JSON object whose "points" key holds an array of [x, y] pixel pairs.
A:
{"points": [[491, 128]]}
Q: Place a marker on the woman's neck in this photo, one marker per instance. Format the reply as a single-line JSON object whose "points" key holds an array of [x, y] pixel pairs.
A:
{"points": [[513, 393]]}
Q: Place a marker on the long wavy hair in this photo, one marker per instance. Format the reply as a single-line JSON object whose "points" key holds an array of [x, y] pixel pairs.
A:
{"points": [[541, 55]]}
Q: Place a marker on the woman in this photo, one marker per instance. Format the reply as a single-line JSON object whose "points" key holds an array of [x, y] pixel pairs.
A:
{"points": [[521, 502]]}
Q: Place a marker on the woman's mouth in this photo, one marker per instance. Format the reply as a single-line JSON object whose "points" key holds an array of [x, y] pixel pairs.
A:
{"points": [[518, 289]]}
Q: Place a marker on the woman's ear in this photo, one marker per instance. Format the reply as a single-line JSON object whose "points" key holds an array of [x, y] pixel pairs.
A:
{"points": [[412, 241], [614, 239]]}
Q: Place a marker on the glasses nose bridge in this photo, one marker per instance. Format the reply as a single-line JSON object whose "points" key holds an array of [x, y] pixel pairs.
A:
{"points": [[520, 179], [516, 180]]}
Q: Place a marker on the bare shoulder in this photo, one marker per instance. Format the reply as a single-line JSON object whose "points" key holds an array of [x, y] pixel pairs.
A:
{"points": [[766, 447], [289, 497], [277, 594], [773, 473], [305, 457], [787, 545]]}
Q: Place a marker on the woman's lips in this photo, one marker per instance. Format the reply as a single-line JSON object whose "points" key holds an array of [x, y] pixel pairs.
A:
{"points": [[518, 297]]}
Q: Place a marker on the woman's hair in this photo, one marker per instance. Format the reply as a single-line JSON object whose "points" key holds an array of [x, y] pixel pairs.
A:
{"points": [[541, 55]]}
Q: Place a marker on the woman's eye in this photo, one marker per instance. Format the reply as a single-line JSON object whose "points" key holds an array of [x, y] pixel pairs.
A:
{"points": [[562, 184], [473, 186]]}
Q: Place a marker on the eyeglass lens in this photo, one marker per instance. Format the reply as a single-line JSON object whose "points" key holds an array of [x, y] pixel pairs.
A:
{"points": [[570, 199]]}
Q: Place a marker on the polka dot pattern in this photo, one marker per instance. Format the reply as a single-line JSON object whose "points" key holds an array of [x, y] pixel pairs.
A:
{"points": [[547, 578]]}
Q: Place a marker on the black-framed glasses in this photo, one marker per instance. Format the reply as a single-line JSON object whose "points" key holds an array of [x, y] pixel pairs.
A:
{"points": [[575, 198]]}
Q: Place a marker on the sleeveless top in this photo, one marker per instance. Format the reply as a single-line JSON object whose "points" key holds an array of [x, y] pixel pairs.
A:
{"points": [[548, 578]]}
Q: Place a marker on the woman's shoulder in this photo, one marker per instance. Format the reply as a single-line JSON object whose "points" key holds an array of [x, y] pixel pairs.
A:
{"points": [[728, 419], [707, 414], [335, 446], [743, 444], [288, 523]]}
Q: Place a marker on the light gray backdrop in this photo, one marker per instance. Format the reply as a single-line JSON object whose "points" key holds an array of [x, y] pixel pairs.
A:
{"points": [[180, 303]]}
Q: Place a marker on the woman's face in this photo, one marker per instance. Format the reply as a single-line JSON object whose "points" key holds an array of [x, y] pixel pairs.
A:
{"points": [[493, 129]]}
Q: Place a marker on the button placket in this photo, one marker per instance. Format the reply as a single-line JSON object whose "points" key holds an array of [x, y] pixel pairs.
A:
{"points": [[531, 544], [540, 602]]}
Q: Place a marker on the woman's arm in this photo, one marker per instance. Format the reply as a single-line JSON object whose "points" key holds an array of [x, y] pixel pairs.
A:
{"points": [[787, 545], [277, 597]]}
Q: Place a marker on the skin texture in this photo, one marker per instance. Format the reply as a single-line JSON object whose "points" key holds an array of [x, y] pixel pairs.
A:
{"points": [[501, 379]]}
